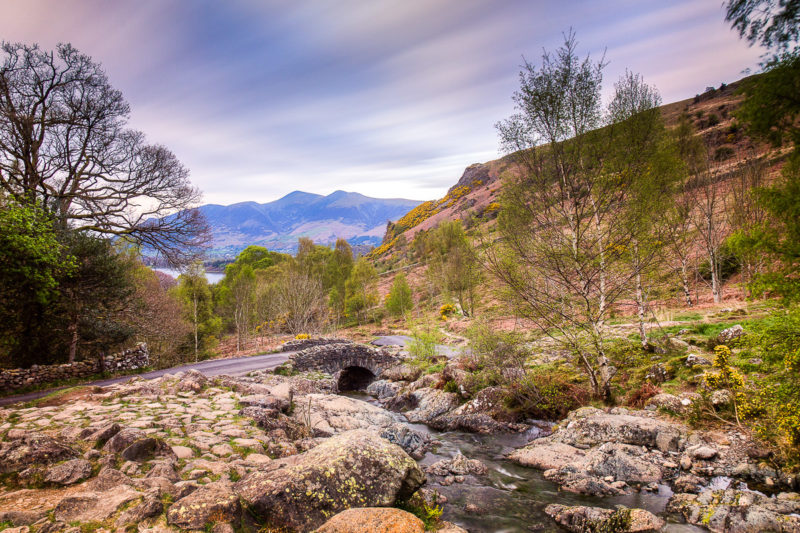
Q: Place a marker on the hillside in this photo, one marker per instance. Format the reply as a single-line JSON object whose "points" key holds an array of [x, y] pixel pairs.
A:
{"points": [[476, 194], [277, 225]]}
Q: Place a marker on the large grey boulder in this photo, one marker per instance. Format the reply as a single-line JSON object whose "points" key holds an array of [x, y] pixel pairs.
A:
{"points": [[430, 403], [602, 453], [328, 414], [354, 469]]}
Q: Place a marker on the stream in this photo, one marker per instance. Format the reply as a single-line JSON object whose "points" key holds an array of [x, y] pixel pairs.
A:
{"points": [[511, 498]]}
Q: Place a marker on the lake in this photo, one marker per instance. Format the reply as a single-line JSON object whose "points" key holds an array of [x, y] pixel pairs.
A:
{"points": [[212, 277]]}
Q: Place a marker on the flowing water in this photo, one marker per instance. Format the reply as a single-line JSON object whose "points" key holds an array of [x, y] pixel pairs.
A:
{"points": [[511, 498]]}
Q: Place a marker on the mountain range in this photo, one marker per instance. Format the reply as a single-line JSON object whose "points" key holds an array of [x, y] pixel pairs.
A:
{"points": [[279, 224]]}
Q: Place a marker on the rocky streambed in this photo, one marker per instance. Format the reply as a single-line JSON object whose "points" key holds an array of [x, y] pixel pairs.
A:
{"points": [[292, 453]]}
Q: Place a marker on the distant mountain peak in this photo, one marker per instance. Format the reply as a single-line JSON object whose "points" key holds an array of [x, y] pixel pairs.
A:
{"points": [[278, 225]]}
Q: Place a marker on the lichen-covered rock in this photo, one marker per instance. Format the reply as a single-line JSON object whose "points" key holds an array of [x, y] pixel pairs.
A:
{"points": [[730, 334], [430, 403], [108, 479], [382, 389], [215, 502], [457, 466], [485, 413], [93, 506], [32, 449], [601, 453], [735, 511], [413, 442], [150, 506], [146, 449], [99, 435], [69, 472], [580, 519], [354, 469], [672, 403], [402, 372], [21, 518], [122, 439], [697, 360], [373, 520], [327, 414]]}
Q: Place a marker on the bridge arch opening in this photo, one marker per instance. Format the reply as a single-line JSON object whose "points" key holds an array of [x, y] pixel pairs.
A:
{"points": [[354, 378]]}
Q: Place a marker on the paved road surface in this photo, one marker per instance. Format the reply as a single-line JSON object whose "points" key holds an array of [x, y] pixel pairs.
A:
{"points": [[403, 340], [214, 367]]}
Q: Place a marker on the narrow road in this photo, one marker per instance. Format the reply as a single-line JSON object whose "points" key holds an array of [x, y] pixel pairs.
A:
{"points": [[232, 367], [403, 340], [214, 367]]}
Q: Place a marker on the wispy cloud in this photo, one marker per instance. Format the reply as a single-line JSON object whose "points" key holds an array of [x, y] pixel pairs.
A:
{"points": [[388, 98]]}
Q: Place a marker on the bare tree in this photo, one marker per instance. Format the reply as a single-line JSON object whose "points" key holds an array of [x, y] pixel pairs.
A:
{"points": [[679, 239], [64, 144], [707, 213], [302, 299]]}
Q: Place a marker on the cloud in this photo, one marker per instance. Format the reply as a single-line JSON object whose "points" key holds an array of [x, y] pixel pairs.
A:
{"points": [[388, 98]]}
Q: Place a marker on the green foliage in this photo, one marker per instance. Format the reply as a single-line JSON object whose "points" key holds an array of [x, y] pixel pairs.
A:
{"points": [[546, 392], [728, 262], [422, 346], [399, 301], [31, 257], [361, 289], [32, 262], [780, 240], [770, 109], [196, 298], [453, 264], [772, 402], [430, 514], [772, 24]]}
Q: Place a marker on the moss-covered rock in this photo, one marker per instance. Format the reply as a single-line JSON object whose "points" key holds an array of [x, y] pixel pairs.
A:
{"points": [[354, 469]]}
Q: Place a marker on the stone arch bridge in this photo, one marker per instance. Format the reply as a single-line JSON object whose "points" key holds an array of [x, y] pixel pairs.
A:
{"points": [[352, 365]]}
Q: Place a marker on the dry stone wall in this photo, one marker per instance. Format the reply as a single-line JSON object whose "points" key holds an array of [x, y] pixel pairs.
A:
{"points": [[18, 378]]}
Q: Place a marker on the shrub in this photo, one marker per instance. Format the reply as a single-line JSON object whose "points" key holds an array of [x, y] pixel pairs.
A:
{"points": [[638, 397], [301, 336], [545, 393], [422, 346], [447, 310], [399, 300], [723, 152]]}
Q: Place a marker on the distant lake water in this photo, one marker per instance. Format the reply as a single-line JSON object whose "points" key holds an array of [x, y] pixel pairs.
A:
{"points": [[212, 277]]}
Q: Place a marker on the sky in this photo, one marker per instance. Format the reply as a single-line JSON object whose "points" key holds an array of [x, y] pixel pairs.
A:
{"points": [[388, 98]]}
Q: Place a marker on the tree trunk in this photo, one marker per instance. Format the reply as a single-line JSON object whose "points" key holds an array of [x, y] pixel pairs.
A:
{"points": [[73, 343], [195, 328], [640, 300], [685, 280], [715, 286], [640, 306]]}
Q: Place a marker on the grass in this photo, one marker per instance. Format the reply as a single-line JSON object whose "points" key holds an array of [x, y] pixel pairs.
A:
{"points": [[55, 395]]}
